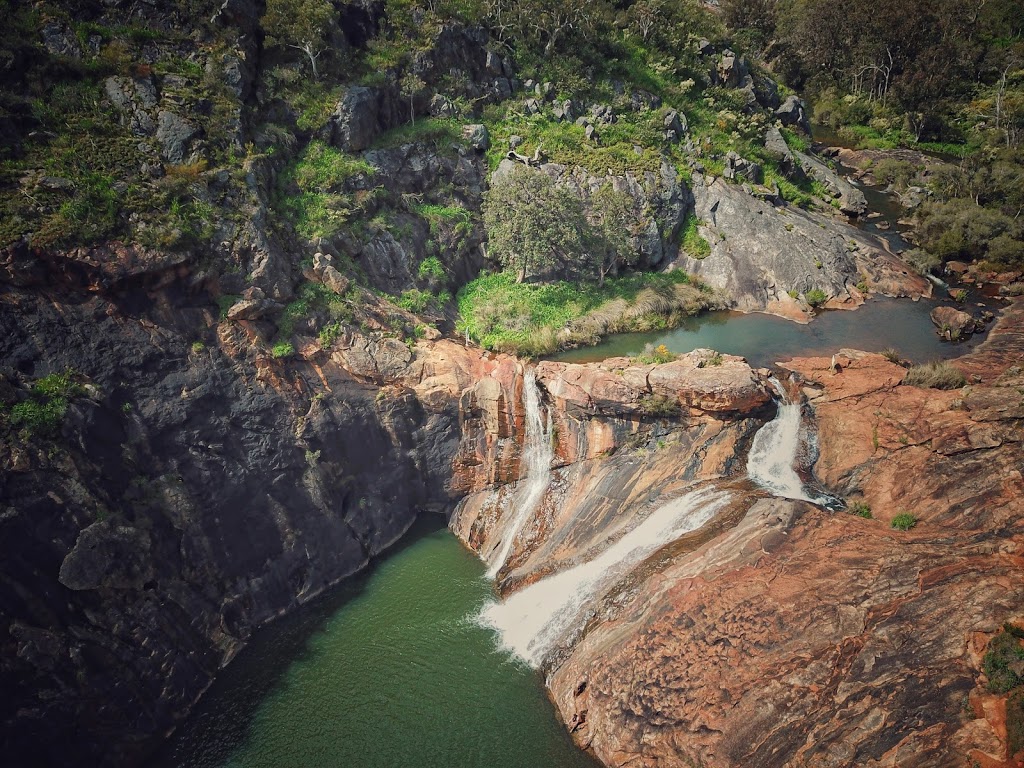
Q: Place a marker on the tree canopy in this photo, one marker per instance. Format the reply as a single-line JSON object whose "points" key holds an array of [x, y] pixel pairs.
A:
{"points": [[299, 24], [531, 222]]}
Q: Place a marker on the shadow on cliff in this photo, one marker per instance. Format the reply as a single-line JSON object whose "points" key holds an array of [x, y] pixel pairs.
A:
{"points": [[222, 719]]}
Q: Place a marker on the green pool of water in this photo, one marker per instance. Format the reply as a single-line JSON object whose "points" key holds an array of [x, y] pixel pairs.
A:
{"points": [[387, 671], [764, 339]]}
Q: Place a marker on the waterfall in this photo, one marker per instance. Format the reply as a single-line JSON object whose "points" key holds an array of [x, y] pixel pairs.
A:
{"points": [[774, 451], [937, 281], [530, 622], [537, 455]]}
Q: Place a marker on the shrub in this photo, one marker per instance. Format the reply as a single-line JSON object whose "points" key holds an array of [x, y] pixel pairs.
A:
{"points": [[936, 374], [198, 346], [329, 334], [39, 417], [431, 268], [860, 509], [45, 411], [1002, 663], [891, 354], [656, 355], [282, 349], [416, 301], [904, 521], [816, 297], [659, 405]]}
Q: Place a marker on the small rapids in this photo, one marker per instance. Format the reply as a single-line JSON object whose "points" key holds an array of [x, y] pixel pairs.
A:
{"points": [[537, 455], [530, 622]]}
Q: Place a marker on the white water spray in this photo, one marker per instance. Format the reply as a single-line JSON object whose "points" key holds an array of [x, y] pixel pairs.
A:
{"points": [[532, 621], [537, 455], [774, 450]]}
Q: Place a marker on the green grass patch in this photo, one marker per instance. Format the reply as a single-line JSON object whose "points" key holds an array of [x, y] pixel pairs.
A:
{"points": [[904, 521], [693, 242], [796, 141], [437, 131], [324, 203], [282, 349], [43, 413], [535, 319]]}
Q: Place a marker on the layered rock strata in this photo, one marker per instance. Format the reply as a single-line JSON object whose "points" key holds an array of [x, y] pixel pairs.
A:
{"points": [[804, 637]]}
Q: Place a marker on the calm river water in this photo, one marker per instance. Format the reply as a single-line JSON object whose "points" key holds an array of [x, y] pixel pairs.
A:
{"points": [[387, 671]]}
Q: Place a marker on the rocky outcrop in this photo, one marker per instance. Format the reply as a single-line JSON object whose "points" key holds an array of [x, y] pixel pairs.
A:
{"points": [[198, 488], [953, 324], [851, 199], [762, 254], [803, 637], [458, 53], [625, 435]]}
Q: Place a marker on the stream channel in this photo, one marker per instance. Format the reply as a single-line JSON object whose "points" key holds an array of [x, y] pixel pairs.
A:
{"points": [[393, 669]]}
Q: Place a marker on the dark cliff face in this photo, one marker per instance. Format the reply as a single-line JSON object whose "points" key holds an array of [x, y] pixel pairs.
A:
{"points": [[192, 493]]}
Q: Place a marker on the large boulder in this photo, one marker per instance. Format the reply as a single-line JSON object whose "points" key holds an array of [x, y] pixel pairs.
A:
{"points": [[175, 135], [777, 147], [354, 124], [952, 323], [851, 199], [108, 555], [793, 112], [764, 256]]}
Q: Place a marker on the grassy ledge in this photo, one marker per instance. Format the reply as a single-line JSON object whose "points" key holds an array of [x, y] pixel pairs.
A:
{"points": [[539, 319]]}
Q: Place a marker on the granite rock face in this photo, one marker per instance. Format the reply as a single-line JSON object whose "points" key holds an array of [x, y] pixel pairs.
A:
{"points": [[760, 253], [803, 637]]}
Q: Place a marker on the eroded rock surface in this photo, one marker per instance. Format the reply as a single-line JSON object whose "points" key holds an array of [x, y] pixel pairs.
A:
{"points": [[761, 254], [802, 637]]}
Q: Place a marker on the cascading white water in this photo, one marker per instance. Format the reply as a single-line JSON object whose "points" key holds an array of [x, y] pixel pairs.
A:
{"points": [[530, 622], [537, 455], [774, 450]]}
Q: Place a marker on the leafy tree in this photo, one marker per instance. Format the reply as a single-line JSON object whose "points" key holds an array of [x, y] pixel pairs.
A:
{"points": [[411, 84], [613, 224], [531, 222], [299, 24]]}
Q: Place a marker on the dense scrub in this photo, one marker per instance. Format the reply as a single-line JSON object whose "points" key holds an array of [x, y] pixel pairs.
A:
{"points": [[947, 78]]}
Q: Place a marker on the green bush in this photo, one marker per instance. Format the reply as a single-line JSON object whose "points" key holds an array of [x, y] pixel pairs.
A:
{"points": [[45, 411], [660, 406], [39, 416], [1003, 662], [329, 334], [816, 297], [656, 355], [936, 375], [282, 349], [860, 509], [431, 268], [904, 521]]}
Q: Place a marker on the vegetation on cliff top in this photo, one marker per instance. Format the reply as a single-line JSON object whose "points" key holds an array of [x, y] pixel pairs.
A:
{"points": [[539, 318], [948, 78]]}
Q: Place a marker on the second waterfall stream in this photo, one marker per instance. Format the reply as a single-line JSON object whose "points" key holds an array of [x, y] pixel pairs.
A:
{"points": [[537, 455]]}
